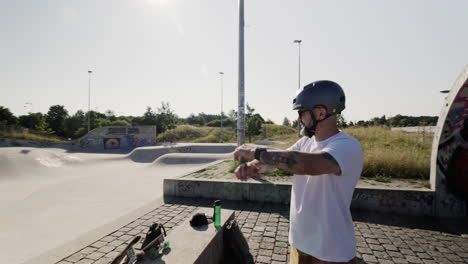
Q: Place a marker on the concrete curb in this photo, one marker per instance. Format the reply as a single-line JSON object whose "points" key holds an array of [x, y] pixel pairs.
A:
{"points": [[401, 201]]}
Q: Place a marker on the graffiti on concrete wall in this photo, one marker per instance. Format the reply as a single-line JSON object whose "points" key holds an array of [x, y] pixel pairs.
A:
{"points": [[452, 154], [111, 143], [117, 131]]}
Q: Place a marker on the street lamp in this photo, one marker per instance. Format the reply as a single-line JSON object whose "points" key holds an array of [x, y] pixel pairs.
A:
{"points": [[298, 41], [221, 74], [89, 98], [241, 80], [30, 105]]}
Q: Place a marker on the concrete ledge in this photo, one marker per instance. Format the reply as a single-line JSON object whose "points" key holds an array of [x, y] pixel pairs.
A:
{"points": [[200, 245], [228, 190], [401, 201]]}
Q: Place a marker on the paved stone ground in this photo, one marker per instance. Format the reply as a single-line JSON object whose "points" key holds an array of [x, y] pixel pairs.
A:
{"points": [[381, 238]]}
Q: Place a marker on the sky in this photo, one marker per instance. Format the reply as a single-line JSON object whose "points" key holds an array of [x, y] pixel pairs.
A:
{"points": [[390, 57]]}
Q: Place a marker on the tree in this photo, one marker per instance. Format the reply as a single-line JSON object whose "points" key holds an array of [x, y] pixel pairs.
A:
{"points": [[31, 120], [295, 124], [166, 118], [149, 118], [286, 122], [341, 121], [253, 127], [56, 117], [120, 122], [6, 117], [232, 114], [73, 123]]}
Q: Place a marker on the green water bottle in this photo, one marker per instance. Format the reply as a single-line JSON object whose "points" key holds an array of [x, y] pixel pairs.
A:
{"points": [[217, 213]]}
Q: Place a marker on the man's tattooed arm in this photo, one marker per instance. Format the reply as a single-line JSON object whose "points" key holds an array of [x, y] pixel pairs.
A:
{"points": [[302, 162]]}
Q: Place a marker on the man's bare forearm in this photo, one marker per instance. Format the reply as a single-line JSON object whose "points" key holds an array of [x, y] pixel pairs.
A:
{"points": [[301, 162]]}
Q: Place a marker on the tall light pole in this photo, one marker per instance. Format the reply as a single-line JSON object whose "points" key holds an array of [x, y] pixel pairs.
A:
{"points": [[241, 81], [221, 74], [298, 41], [89, 98]]}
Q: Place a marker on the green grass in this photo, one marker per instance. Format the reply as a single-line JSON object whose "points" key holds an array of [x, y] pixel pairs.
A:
{"points": [[27, 136], [187, 133], [394, 154], [387, 154]]}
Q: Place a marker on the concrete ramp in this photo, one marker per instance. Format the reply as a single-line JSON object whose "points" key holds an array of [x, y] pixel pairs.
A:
{"points": [[150, 154], [190, 158]]}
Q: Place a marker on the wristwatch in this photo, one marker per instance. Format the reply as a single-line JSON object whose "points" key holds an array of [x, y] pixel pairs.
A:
{"points": [[258, 152]]}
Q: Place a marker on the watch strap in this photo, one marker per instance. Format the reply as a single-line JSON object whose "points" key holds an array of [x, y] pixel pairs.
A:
{"points": [[258, 152]]}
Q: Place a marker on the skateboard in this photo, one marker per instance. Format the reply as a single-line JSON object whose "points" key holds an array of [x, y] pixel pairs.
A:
{"points": [[128, 253]]}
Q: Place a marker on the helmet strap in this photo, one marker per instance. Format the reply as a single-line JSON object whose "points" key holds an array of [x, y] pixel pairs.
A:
{"points": [[309, 131]]}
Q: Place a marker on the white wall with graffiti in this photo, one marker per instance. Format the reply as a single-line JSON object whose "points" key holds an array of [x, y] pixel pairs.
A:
{"points": [[118, 137], [449, 166]]}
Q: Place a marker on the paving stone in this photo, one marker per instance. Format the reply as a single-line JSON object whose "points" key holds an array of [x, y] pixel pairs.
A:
{"points": [[279, 257], [106, 249], [116, 242], [259, 228], [390, 247], [400, 260], [255, 239], [254, 245], [429, 261], [269, 234], [282, 238], [265, 252], [76, 257], [364, 250], [246, 230], [248, 225], [453, 257], [413, 259], [95, 255], [85, 261], [372, 241], [259, 234], [369, 258], [376, 247], [417, 249], [385, 261], [281, 244], [280, 251], [381, 255], [266, 245], [268, 239], [407, 252], [98, 244], [278, 262], [263, 259]]}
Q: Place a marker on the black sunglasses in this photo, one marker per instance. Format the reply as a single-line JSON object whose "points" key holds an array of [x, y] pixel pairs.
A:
{"points": [[300, 112]]}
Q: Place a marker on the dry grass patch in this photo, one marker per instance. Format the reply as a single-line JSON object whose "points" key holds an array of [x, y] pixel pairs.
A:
{"points": [[27, 136]]}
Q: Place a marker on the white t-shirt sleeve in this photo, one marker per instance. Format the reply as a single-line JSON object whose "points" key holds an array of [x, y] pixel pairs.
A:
{"points": [[297, 146], [348, 154]]}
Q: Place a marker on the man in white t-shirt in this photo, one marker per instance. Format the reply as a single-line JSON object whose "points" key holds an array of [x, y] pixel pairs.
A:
{"points": [[326, 164]]}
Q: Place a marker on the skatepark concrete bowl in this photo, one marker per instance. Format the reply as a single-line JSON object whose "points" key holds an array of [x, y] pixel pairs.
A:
{"points": [[55, 201]]}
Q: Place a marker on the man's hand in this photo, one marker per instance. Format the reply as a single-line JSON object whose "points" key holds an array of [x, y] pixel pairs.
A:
{"points": [[247, 170], [243, 153]]}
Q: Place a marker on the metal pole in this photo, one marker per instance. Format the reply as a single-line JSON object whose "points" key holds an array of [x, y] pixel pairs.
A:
{"points": [[221, 77], [298, 41], [241, 81], [89, 99]]}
